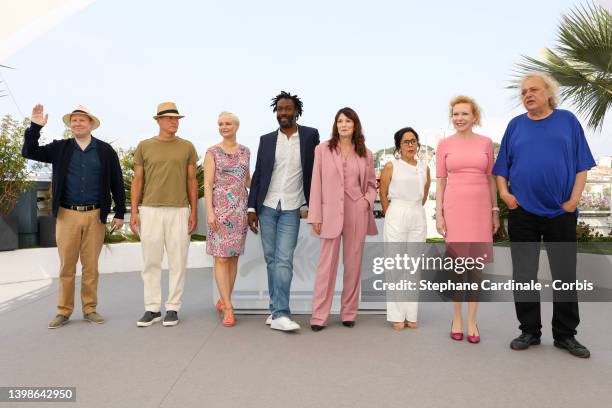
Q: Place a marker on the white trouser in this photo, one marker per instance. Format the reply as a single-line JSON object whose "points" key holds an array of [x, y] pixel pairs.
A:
{"points": [[164, 227], [404, 222]]}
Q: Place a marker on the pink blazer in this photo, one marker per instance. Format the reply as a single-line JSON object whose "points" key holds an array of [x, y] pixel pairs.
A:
{"points": [[327, 191]]}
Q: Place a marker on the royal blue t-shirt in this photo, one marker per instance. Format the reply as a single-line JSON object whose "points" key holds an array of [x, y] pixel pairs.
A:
{"points": [[540, 159]]}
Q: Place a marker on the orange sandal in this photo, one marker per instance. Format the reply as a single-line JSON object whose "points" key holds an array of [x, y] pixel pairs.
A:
{"points": [[228, 317]]}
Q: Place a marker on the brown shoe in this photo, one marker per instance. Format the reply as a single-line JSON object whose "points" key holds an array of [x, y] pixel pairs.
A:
{"points": [[94, 318], [58, 322], [398, 326]]}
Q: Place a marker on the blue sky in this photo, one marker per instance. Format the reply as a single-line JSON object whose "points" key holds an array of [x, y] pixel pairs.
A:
{"points": [[397, 63]]}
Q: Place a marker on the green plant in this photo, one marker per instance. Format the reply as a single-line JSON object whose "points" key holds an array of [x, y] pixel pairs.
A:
{"points": [[586, 233], [118, 236], [581, 62], [126, 160], [200, 178], [14, 172]]}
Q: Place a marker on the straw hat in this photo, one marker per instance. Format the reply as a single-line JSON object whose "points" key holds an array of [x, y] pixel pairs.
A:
{"points": [[83, 111], [167, 109]]}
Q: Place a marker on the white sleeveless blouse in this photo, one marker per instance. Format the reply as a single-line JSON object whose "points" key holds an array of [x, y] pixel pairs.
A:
{"points": [[407, 181]]}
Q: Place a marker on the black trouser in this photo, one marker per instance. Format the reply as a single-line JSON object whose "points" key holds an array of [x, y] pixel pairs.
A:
{"points": [[526, 230]]}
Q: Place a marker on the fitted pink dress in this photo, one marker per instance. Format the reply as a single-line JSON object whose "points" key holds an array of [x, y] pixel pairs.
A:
{"points": [[467, 165]]}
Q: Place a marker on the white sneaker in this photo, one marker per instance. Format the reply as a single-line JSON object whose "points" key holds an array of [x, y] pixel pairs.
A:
{"points": [[269, 320], [284, 323]]}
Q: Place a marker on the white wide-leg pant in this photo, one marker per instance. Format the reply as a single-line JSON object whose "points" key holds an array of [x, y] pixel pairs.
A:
{"points": [[404, 222]]}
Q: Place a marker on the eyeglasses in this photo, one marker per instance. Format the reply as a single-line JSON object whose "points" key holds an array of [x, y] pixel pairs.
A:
{"points": [[412, 142]]}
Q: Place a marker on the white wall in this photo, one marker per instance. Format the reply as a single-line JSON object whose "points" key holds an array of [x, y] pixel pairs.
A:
{"points": [[43, 263]]}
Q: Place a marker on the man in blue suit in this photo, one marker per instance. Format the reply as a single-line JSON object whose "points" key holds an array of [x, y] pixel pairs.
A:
{"points": [[280, 189]]}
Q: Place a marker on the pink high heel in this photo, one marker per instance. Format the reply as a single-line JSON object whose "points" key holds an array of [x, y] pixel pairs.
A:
{"points": [[456, 335], [229, 320], [474, 339]]}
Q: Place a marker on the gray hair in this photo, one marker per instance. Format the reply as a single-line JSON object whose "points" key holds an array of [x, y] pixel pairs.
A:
{"points": [[231, 115], [549, 83]]}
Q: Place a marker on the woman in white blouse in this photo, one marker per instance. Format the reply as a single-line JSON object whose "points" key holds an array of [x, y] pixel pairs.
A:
{"points": [[404, 185]]}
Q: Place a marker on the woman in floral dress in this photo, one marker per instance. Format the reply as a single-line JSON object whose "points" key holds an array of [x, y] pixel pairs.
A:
{"points": [[226, 175]]}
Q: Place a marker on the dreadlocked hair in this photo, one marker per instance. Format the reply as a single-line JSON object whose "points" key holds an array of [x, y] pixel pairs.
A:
{"points": [[299, 105]]}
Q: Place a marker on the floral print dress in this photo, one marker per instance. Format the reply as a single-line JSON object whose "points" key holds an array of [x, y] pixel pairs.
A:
{"points": [[229, 202]]}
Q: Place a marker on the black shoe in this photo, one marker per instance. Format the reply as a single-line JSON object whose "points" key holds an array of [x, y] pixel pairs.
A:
{"points": [[148, 319], [171, 318], [575, 348], [316, 327], [348, 323], [523, 341]]}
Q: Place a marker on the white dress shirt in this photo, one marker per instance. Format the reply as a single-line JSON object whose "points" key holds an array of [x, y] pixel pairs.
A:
{"points": [[287, 182]]}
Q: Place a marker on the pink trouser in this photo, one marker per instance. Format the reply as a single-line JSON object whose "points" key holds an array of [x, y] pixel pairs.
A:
{"points": [[353, 234]]}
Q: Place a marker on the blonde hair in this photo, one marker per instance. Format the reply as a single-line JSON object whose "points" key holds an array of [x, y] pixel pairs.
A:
{"points": [[549, 83], [231, 115], [470, 101]]}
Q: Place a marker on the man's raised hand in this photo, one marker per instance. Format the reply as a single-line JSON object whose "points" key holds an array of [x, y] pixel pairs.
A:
{"points": [[38, 115]]}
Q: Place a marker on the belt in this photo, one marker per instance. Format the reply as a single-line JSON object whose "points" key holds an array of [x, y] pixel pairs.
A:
{"points": [[84, 207]]}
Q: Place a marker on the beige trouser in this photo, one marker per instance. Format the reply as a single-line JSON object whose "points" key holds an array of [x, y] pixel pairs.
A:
{"points": [[164, 227], [78, 234]]}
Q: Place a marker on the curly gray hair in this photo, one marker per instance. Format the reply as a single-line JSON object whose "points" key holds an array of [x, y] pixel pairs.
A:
{"points": [[549, 83]]}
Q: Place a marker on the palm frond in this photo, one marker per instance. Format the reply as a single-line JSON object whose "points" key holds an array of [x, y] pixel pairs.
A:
{"points": [[581, 62], [585, 36]]}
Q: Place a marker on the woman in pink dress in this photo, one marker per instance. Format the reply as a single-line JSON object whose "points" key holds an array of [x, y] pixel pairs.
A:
{"points": [[227, 177], [466, 196]]}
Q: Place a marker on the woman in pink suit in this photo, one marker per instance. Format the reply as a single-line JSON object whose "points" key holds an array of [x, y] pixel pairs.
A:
{"points": [[466, 197], [342, 197]]}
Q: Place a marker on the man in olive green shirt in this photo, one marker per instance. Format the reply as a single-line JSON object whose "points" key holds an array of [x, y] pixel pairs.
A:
{"points": [[165, 180]]}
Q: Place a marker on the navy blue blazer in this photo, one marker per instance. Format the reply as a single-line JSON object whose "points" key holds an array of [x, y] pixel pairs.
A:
{"points": [[59, 153], [266, 154]]}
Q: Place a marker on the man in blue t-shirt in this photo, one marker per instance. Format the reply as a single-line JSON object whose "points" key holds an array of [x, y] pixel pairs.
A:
{"points": [[544, 156]]}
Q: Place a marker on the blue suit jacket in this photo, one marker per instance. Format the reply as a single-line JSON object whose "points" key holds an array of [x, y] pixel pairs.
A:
{"points": [[59, 153], [266, 154]]}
